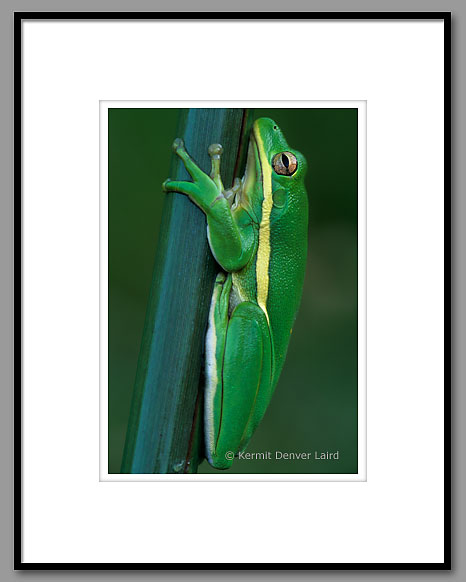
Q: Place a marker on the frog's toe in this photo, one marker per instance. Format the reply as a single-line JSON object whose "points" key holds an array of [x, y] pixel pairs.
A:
{"points": [[178, 144], [220, 279], [236, 185], [215, 150], [165, 185]]}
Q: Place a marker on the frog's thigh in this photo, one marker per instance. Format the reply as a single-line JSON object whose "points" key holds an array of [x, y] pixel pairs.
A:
{"points": [[245, 387]]}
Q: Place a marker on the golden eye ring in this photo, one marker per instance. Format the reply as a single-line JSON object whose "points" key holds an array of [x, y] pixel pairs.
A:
{"points": [[285, 164]]}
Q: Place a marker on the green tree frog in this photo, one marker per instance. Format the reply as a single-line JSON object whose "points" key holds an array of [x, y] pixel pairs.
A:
{"points": [[257, 231]]}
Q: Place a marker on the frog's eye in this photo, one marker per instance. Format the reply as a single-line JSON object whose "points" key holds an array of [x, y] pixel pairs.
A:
{"points": [[285, 163]]}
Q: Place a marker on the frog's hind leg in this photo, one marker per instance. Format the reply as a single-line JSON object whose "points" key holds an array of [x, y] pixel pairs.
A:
{"points": [[238, 396]]}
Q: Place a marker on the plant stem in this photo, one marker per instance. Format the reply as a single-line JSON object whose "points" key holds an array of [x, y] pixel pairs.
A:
{"points": [[165, 426]]}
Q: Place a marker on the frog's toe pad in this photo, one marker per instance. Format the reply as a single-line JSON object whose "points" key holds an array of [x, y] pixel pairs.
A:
{"points": [[164, 185], [178, 144], [215, 150]]}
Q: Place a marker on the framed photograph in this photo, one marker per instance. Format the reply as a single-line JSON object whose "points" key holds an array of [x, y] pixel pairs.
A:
{"points": [[231, 276], [306, 431]]}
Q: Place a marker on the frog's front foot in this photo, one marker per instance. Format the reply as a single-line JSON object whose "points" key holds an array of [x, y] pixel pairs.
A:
{"points": [[203, 190]]}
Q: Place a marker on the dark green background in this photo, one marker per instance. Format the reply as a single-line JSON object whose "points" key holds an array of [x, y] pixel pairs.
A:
{"points": [[314, 407]]}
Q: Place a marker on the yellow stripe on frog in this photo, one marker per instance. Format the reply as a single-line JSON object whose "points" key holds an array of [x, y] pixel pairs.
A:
{"points": [[263, 252]]}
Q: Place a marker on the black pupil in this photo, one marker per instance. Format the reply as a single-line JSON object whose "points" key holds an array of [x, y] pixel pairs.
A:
{"points": [[285, 161]]}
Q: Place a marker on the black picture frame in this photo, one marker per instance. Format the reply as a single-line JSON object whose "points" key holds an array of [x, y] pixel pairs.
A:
{"points": [[19, 17]]}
